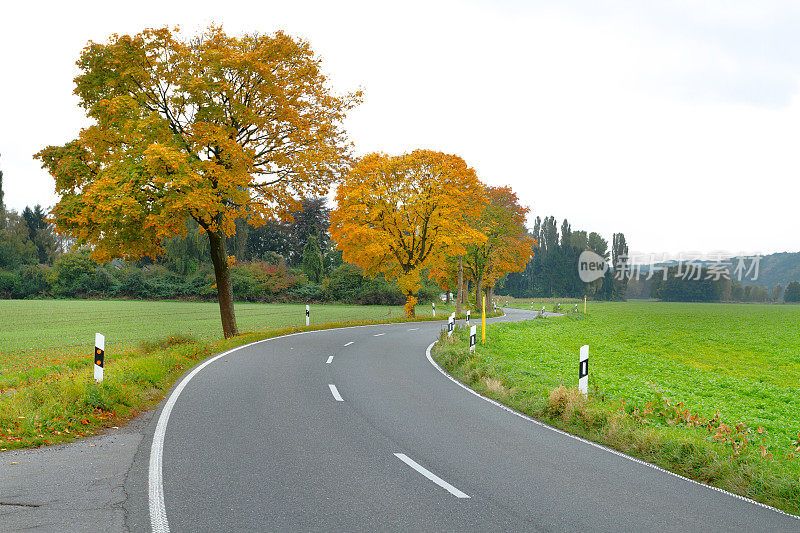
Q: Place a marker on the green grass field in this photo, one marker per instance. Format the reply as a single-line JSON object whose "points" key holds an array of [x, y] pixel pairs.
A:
{"points": [[741, 362], [39, 338]]}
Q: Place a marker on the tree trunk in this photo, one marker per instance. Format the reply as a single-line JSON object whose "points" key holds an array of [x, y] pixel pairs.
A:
{"points": [[478, 291], [460, 293], [411, 301], [224, 290]]}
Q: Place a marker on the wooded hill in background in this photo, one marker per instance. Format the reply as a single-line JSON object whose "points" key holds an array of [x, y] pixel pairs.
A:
{"points": [[776, 272], [777, 269]]}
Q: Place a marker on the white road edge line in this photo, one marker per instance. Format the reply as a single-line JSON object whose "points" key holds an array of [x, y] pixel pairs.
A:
{"points": [[594, 444], [379, 334], [330, 360], [430, 475], [155, 481], [335, 392], [155, 478]]}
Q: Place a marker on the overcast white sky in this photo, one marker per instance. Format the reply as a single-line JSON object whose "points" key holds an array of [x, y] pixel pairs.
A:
{"points": [[676, 123]]}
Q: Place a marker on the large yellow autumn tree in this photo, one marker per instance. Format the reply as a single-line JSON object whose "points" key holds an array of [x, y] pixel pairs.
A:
{"points": [[399, 215], [213, 128], [507, 247]]}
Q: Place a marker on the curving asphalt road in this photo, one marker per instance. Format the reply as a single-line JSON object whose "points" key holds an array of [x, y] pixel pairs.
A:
{"points": [[349, 430], [355, 429]]}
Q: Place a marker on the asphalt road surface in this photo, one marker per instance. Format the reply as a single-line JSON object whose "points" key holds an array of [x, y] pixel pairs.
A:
{"points": [[355, 429]]}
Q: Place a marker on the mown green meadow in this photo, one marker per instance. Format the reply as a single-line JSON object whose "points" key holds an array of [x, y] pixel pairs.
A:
{"points": [[709, 390]]}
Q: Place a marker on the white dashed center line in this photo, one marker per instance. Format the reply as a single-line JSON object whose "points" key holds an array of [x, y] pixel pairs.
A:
{"points": [[335, 393], [349, 343], [330, 360], [379, 334], [430, 475]]}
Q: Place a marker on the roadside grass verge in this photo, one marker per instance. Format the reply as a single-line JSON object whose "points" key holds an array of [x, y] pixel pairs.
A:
{"points": [[733, 424], [65, 405]]}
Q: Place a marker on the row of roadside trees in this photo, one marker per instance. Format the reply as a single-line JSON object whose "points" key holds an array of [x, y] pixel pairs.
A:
{"points": [[221, 133], [425, 210]]}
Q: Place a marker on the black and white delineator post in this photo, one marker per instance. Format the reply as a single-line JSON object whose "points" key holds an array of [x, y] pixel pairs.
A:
{"points": [[473, 332], [467, 317], [583, 370], [542, 313], [308, 315], [433, 306], [451, 324], [99, 356]]}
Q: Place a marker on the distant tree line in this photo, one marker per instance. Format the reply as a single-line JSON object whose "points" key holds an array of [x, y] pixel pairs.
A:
{"points": [[291, 261], [699, 284], [553, 270]]}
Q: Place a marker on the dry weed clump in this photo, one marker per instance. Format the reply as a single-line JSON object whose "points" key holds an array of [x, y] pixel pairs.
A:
{"points": [[496, 387], [564, 403]]}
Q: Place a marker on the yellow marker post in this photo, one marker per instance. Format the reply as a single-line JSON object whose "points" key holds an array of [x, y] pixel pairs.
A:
{"points": [[483, 322], [584, 305]]}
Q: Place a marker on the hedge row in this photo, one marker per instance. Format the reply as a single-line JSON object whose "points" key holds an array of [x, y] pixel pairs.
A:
{"points": [[76, 275]]}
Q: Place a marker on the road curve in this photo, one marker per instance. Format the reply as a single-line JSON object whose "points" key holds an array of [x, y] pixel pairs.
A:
{"points": [[354, 429]]}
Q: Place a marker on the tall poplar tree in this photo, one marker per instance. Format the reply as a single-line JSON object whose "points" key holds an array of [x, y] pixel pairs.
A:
{"points": [[619, 252], [2, 204]]}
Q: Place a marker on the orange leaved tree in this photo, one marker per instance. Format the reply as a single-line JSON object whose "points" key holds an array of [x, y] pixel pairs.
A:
{"points": [[213, 128], [507, 247], [400, 215]]}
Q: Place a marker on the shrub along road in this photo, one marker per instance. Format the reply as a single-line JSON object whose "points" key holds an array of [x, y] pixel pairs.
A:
{"points": [[354, 429]]}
